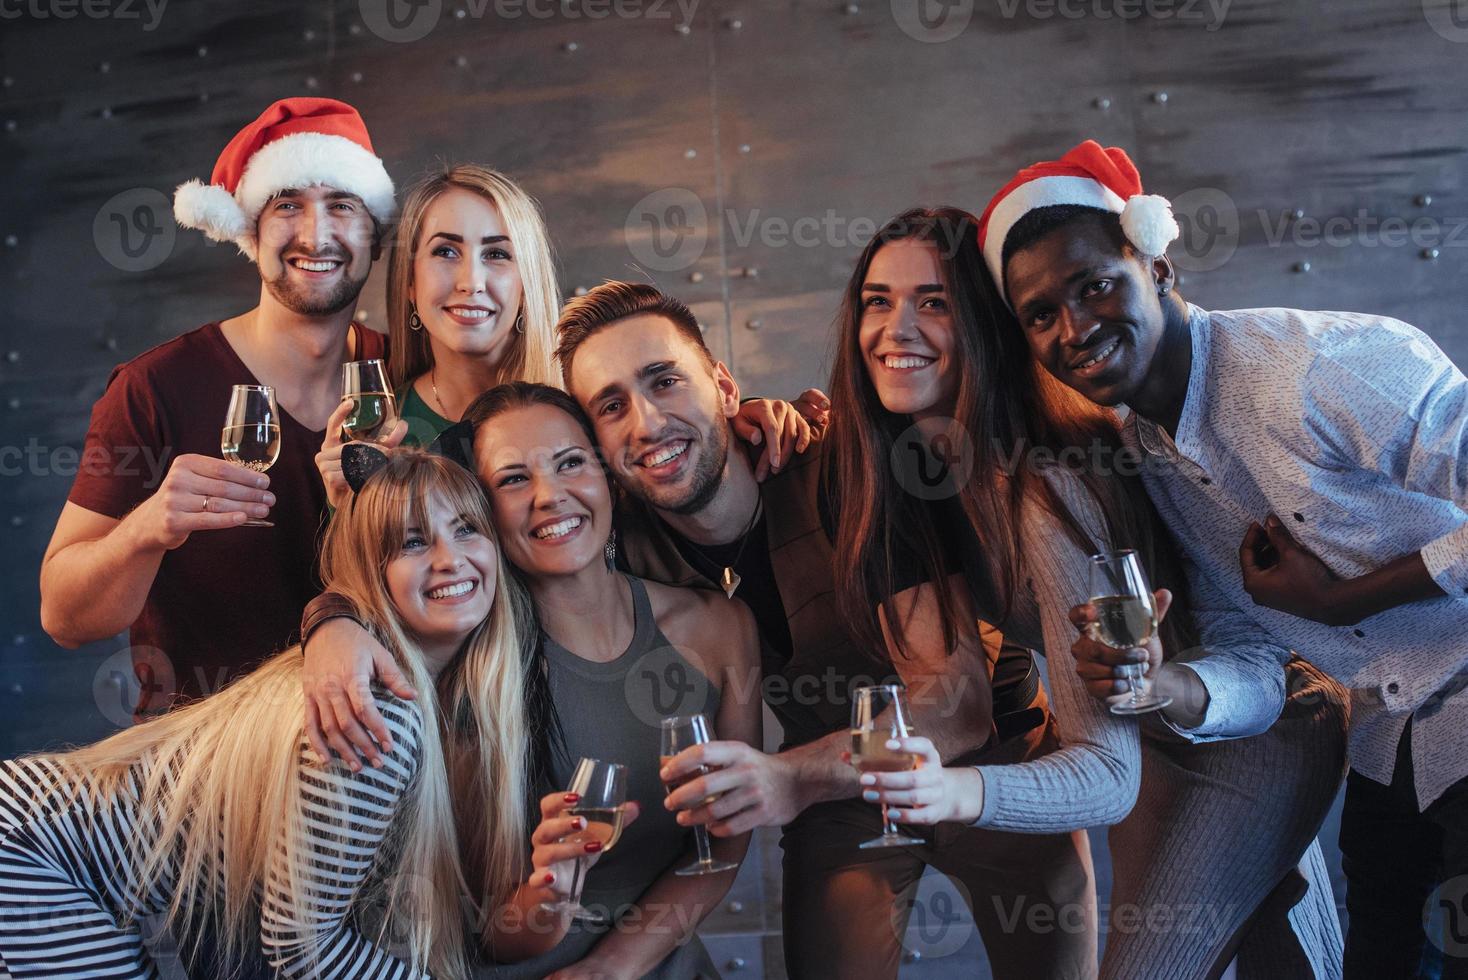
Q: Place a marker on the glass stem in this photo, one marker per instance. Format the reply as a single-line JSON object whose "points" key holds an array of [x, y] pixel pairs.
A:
{"points": [[889, 829], [578, 881], [701, 838]]}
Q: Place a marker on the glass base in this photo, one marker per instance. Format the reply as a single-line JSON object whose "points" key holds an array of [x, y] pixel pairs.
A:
{"points": [[705, 868], [892, 840], [255, 522], [577, 911], [1140, 706]]}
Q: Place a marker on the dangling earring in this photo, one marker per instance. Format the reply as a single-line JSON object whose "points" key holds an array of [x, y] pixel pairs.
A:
{"points": [[610, 551], [415, 322], [520, 322]]}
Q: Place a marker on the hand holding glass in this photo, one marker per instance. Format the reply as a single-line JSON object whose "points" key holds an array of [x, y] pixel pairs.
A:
{"points": [[374, 410], [1126, 618], [251, 435], [602, 788], [678, 734], [880, 713]]}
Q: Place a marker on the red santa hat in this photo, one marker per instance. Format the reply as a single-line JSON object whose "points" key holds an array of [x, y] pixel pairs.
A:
{"points": [[293, 144], [1089, 175]]}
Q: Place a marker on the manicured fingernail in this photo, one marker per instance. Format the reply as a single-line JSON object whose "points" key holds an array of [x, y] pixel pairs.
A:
{"points": [[578, 824], [868, 780], [869, 795], [550, 879], [571, 797], [593, 846]]}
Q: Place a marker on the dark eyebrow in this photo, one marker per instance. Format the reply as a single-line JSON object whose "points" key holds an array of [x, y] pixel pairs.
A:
{"points": [[459, 239], [1025, 311], [573, 448], [643, 373], [927, 287]]}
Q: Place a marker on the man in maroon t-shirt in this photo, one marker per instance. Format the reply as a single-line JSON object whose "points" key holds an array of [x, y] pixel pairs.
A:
{"points": [[150, 539]]}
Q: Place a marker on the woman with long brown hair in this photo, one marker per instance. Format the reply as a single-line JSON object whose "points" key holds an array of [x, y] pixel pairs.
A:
{"points": [[956, 464]]}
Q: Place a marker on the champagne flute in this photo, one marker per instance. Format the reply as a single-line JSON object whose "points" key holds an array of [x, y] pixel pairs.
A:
{"points": [[374, 409], [678, 734], [602, 787], [251, 435], [878, 713], [1126, 619]]}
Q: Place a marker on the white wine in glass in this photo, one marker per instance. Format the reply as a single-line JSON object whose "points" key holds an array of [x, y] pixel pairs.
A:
{"points": [[878, 713], [251, 434], [1126, 619], [602, 788], [374, 409]]}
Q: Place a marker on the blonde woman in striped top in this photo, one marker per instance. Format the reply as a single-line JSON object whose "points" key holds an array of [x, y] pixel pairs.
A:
{"points": [[219, 816]]}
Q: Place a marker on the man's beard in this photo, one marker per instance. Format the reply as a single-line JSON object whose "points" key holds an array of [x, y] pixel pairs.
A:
{"points": [[708, 475], [304, 302]]}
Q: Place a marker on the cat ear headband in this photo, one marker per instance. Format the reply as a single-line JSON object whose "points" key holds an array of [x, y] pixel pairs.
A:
{"points": [[360, 460]]}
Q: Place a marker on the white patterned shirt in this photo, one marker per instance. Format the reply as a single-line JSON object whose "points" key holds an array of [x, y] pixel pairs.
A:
{"points": [[1353, 430]]}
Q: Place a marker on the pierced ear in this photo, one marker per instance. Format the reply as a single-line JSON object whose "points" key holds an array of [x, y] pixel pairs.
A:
{"points": [[359, 461], [1164, 274]]}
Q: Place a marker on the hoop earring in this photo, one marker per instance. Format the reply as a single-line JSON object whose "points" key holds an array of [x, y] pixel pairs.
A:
{"points": [[520, 323], [610, 551], [415, 322]]}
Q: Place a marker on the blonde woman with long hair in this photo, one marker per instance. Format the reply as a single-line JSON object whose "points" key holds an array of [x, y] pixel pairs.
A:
{"points": [[219, 817]]}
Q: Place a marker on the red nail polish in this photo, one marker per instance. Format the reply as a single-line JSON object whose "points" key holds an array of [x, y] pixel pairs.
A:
{"points": [[593, 846], [571, 797], [550, 879]]}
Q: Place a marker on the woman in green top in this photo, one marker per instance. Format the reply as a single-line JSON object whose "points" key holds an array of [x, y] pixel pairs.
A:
{"points": [[471, 302]]}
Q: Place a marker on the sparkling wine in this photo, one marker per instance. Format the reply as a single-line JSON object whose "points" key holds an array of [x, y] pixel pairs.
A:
{"points": [[1124, 621], [869, 752], [602, 824], [253, 445], [374, 413], [663, 760]]}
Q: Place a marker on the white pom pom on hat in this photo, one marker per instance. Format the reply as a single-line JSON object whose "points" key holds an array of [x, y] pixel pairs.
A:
{"points": [[1090, 175], [300, 142]]}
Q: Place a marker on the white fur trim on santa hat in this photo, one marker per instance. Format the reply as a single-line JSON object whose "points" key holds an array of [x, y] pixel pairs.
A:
{"points": [[1148, 223], [1041, 192], [309, 159], [210, 209]]}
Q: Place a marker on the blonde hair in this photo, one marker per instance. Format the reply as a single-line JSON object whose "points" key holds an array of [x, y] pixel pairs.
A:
{"points": [[530, 358], [222, 783]]}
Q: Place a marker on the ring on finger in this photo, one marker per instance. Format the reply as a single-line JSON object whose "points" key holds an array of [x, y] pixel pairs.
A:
{"points": [[207, 498]]}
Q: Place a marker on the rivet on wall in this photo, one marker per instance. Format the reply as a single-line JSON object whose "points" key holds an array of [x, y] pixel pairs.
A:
{"points": [[1302, 267], [579, 291], [733, 23], [203, 96], [460, 14], [736, 906], [356, 76], [1422, 200], [7, 81], [105, 112], [683, 29], [1429, 254], [354, 30], [14, 405], [695, 277], [16, 520], [690, 153], [1297, 213], [569, 46], [11, 241], [361, 316], [749, 272], [744, 147], [703, 327], [10, 125], [460, 61], [851, 9], [110, 343], [308, 35], [1159, 98], [105, 67], [754, 324], [311, 82], [203, 51], [912, 956], [16, 689], [13, 356], [737, 963], [1101, 102]]}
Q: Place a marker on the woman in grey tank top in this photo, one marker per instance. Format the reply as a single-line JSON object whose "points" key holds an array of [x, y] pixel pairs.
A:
{"points": [[619, 655]]}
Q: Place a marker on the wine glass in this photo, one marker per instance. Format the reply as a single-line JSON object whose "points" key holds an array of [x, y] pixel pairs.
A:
{"points": [[878, 713], [251, 435], [678, 734], [374, 409], [602, 788], [1126, 619]]}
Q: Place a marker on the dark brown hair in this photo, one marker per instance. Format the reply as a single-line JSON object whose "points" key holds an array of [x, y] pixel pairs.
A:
{"points": [[1009, 407], [583, 316]]}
